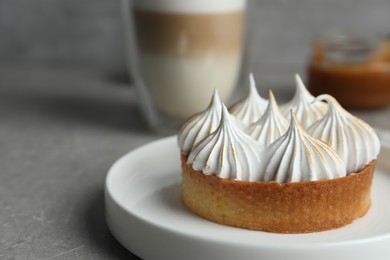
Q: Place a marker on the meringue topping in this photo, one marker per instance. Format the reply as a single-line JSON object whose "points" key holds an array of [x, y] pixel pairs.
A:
{"points": [[270, 126], [298, 157], [271, 149], [228, 152], [200, 125], [303, 106], [250, 109], [353, 139]]}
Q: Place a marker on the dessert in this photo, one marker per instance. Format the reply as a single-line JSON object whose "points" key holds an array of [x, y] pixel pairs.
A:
{"points": [[290, 183]]}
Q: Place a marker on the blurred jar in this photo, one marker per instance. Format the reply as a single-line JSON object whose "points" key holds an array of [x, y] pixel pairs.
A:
{"points": [[353, 69]]}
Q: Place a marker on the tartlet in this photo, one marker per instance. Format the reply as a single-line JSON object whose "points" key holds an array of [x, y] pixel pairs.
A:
{"points": [[272, 177], [295, 207]]}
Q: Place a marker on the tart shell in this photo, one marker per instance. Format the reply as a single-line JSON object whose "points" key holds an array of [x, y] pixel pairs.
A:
{"points": [[296, 207]]}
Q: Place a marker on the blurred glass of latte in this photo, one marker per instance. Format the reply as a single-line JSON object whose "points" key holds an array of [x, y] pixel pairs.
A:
{"points": [[186, 49]]}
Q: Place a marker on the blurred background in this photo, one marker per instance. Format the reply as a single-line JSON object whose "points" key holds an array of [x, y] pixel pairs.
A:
{"points": [[67, 112], [90, 33]]}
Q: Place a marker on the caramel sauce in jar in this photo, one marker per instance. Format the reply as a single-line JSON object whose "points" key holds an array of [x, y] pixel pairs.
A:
{"points": [[356, 71]]}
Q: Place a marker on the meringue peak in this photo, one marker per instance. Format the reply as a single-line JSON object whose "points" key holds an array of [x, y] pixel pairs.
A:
{"points": [[334, 106], [272, 104], [301, 91], [353, 139], [215, 100], [251, 108], [200, 125], [228, 152], [252, 86], [303, 106], [270, 126], [298, 157]]}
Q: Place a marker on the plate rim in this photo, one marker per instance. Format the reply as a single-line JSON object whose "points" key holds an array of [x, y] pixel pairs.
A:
{"points": [[274, 246]]}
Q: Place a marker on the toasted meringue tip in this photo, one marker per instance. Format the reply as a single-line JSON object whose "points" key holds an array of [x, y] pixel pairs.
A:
{"points": [[252, 79], [270, 94], [330, 101], [324, 97], [215, 92], [224, 112], [252, 85], [271, 99], [294, 121], [298, 80], [215, 97]]}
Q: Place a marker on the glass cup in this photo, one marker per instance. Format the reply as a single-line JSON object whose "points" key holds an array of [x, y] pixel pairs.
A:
{"points": [[353, 68], [180, 51]]}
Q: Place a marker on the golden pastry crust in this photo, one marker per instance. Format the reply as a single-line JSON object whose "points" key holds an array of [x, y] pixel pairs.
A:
{"points": [[298, 207]]}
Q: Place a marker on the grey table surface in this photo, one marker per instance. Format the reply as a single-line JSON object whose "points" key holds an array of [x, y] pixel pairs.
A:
{"points": [[60, 131]]}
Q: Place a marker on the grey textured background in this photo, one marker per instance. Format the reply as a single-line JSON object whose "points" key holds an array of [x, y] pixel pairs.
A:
{"points": [[64, 120], [90, 32]]}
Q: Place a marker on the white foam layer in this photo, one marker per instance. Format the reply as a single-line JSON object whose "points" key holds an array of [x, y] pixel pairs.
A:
{"points": [[182, 87], [191, 6]]}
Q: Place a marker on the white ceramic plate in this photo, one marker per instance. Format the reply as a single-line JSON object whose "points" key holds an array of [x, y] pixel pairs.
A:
{"points": [[145, 214]]}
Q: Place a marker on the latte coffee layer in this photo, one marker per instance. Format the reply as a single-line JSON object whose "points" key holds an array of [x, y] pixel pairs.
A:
{"points": [[184, 56], [189, 35]]}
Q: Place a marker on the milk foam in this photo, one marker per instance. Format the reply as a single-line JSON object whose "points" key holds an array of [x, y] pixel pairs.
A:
{"points": [[191, 6], [182, 87]]}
